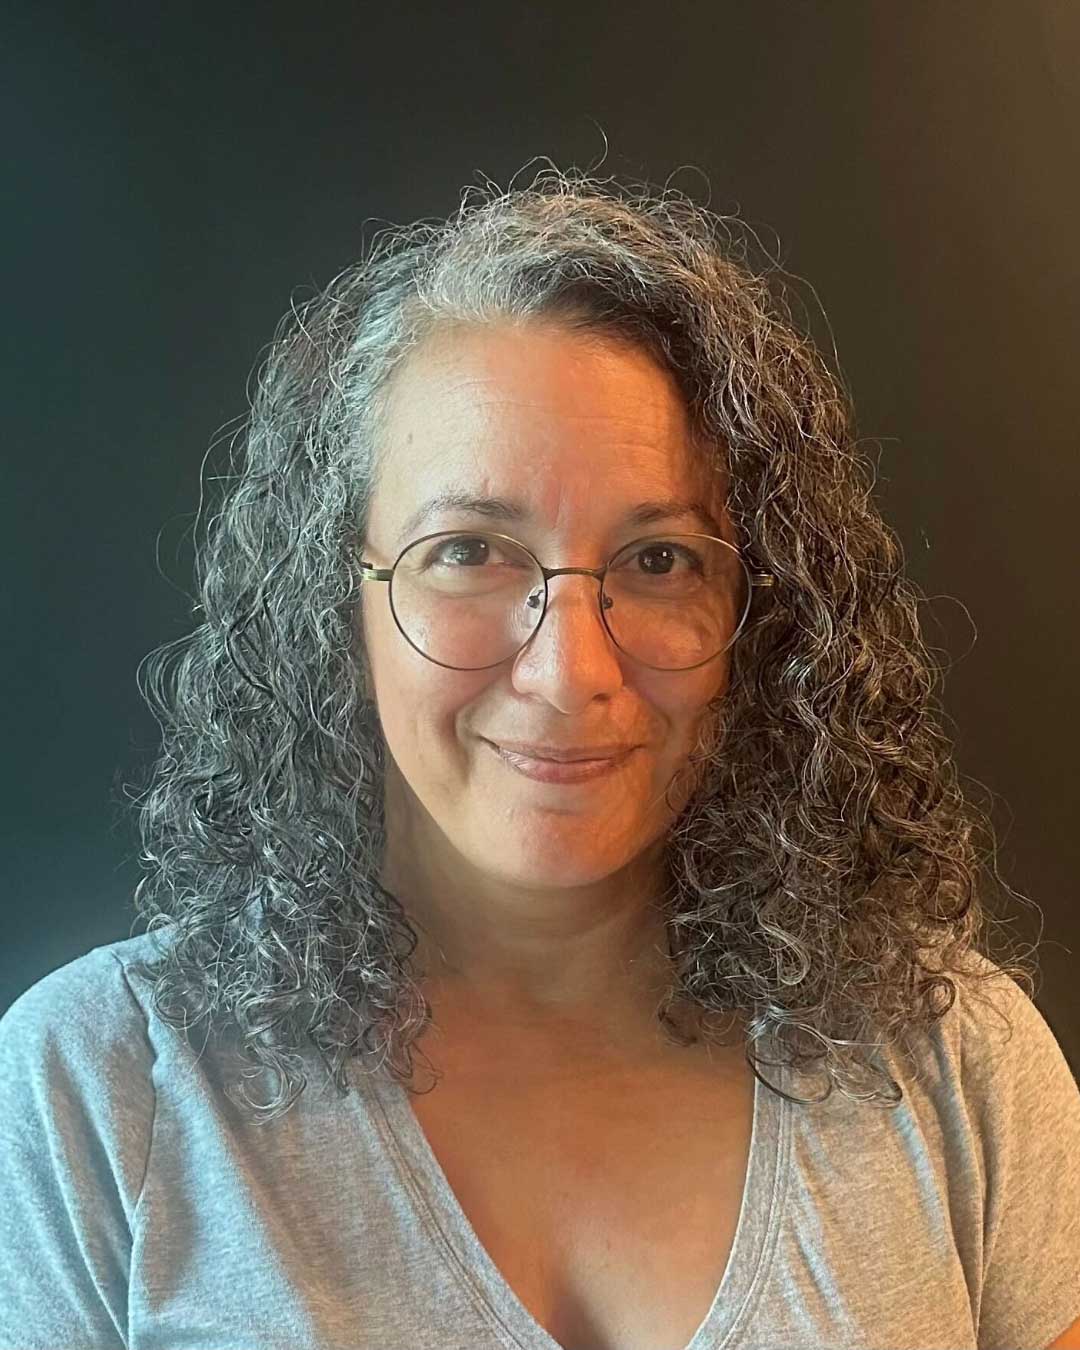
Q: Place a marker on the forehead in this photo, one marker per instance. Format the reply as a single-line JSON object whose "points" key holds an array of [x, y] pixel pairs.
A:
{"points": [[567, 422]]}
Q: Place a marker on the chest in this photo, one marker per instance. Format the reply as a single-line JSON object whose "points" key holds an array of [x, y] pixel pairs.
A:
{"points": [[608, 1202]]}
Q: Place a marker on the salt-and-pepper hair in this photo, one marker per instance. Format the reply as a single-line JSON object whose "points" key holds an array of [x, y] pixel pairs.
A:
{"points": [[828, 874]]}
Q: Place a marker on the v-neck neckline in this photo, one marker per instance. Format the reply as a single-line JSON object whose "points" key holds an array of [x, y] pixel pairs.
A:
{"points": [[437, 1207]]}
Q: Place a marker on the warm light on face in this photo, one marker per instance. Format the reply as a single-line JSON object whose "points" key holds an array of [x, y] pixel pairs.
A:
{"points": [[574, 451]]}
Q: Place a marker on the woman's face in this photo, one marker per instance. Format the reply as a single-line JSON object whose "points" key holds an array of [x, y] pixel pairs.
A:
{"points": [[578, 433]]}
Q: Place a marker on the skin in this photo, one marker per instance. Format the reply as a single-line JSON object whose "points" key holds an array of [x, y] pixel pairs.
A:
{"points": [[533, 902]]}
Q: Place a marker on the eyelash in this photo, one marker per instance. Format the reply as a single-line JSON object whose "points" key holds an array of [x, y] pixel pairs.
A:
{"points": [[688, 554]]}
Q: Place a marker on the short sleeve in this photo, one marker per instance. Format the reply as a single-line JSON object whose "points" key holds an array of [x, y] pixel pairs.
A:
{"points": [[78, 1111], [1026, 1107]]}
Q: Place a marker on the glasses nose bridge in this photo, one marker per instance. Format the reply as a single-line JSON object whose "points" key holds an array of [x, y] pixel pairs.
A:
{"points": [[598, 572]]}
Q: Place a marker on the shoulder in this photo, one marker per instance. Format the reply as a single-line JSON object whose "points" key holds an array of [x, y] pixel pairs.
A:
{"points": [[81, 1007], [1012, 1100], [74, 1046], [1007, 1050], [995, 1076], [78, 1069]]}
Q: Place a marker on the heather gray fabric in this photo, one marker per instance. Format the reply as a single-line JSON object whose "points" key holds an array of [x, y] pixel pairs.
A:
{"points": [[138, 1210]]}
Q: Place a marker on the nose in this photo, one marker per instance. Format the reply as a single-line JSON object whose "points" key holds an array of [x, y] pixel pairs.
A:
{"points": [[570, 656]]}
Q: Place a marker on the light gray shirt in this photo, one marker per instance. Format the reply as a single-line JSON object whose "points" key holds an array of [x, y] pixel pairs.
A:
{"points": [[139, 1209]]}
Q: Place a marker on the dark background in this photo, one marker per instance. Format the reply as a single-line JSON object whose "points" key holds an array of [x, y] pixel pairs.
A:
{"points": [[176, 174]]}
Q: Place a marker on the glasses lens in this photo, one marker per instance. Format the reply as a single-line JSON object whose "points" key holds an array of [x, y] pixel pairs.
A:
{"points": [[469, 601], [676, 601]]}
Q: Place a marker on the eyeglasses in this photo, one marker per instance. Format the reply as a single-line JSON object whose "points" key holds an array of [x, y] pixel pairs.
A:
{"points": [[469, 601]]}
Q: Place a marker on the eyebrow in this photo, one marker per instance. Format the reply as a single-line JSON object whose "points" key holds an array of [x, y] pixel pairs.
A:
{"points": [[502, 509]]}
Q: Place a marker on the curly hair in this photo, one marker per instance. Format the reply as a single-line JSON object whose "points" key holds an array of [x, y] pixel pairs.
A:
{"points": [[827, 872]]}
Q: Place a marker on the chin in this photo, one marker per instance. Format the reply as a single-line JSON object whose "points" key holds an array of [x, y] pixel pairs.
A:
{"points": [[552, 865]]}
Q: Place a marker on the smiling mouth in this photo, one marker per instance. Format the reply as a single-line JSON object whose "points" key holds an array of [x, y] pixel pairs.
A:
{"points": [[560, 771]]}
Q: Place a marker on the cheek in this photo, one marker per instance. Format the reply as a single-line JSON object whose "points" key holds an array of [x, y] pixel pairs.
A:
{"points": [[421, 705], [684, 706], [693, 729], [401, 677]]}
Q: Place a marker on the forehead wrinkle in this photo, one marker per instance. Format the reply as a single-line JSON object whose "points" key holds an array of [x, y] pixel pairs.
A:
{"points": [[469, 428]]}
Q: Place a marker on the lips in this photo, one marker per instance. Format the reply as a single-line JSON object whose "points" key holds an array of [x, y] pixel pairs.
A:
{"points": [[568, 755], [565, 771]]}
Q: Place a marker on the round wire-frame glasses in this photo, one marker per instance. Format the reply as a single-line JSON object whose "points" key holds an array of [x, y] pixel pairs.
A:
{"points": [[369, 572]]}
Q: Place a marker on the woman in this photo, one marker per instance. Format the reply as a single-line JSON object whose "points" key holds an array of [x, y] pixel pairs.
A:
{"points": [[558, 711]]}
